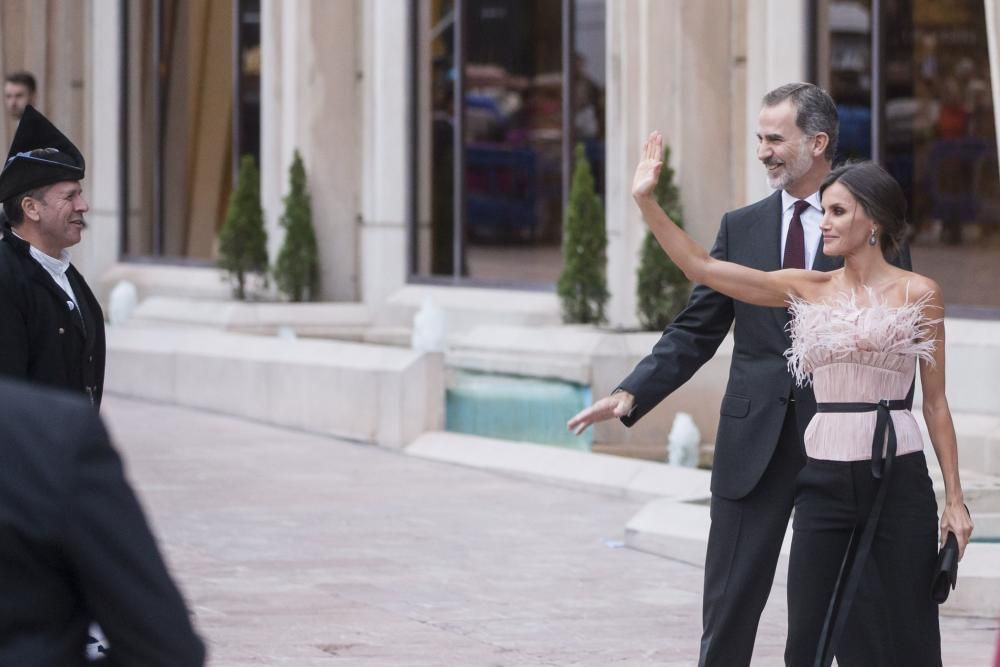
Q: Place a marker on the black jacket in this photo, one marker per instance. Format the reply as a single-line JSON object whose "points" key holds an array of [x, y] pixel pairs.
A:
{"points": [[41, 339], [75, 546], [753, 408]]}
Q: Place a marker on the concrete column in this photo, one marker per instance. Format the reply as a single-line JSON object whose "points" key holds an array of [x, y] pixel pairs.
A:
{"points": [[384, 136], [309, 104], [273, 163], [777, 48], [672, 66], [992, 36], [98, 251]]}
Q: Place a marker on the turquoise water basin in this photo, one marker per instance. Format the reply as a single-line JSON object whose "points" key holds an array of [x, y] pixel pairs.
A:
{"points": [[516, 408]]}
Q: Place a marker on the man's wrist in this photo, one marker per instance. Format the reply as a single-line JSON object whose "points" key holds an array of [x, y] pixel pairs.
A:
{"points": [[629, 397]]}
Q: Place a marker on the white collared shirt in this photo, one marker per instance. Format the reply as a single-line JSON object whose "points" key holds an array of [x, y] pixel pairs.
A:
{"points": [[56, 267], [810, 218]]}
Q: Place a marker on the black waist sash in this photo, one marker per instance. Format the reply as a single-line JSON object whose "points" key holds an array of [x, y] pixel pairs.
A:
{"points": [[858, 548]]}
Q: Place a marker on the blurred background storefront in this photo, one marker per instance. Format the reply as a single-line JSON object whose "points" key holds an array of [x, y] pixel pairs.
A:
{"points": [[530, 83], [438, 134], [912, 82]]}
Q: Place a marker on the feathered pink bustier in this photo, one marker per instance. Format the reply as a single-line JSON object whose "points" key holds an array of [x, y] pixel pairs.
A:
{"points": [[855, 353]]}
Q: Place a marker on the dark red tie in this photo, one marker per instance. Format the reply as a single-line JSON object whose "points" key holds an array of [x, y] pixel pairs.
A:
{"points": [[795, 242]]}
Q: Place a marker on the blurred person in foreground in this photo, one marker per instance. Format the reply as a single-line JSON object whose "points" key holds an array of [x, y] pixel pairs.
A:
{"points": [[75, 545]]}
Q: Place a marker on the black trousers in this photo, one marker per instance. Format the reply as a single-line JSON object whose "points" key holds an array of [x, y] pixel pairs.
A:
{"points": [[743, 547], [832, 498]]}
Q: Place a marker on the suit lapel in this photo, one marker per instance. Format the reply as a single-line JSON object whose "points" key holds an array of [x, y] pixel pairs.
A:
{"points": [[767, 234]]}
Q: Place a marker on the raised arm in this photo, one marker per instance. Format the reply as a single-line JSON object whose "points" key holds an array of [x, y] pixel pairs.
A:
{"points": [[761, 288], [954, 517]]}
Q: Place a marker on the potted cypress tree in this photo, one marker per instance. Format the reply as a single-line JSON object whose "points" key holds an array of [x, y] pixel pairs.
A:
{"points": [[662, 288], [243, 239], [296, 271], [583, 285]]}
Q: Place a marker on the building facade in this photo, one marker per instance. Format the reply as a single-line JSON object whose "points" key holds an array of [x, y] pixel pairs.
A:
{"points": [[438, 135]]}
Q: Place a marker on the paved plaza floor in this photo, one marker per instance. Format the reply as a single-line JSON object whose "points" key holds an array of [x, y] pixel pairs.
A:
{"points": [[297, 549]]}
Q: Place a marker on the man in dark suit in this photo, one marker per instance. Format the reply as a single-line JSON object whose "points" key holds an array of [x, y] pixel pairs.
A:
{"points": [[51, 325], [758, 449], [75, 546]]}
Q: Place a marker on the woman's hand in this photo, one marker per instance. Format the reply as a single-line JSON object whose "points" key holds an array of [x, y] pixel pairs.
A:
{"points": [[647, 173], [956, 519]]}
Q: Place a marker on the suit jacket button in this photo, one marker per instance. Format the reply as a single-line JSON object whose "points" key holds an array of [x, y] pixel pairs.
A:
{"points": [[61, 330]]}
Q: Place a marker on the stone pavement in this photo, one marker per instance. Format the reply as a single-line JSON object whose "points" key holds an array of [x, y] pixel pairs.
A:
{"points": [[296, 549]]}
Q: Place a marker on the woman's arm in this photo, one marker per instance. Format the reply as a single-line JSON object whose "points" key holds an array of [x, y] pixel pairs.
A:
{"points": [[761, 288], [954, 518]]}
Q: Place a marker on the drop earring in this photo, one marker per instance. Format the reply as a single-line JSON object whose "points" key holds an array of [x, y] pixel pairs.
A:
{"points": [[873, 239]]}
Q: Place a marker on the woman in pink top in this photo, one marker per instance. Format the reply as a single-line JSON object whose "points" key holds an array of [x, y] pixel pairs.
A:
{"points": [[857, 334]]}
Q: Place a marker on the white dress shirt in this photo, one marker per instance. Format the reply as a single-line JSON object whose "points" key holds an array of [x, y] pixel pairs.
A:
{"points": [[55, 267], [810, 218]]}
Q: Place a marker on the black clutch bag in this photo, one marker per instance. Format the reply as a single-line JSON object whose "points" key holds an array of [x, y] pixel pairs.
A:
{"points": [[946, 570]]}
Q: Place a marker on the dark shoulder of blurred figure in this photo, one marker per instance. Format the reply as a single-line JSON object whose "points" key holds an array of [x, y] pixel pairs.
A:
{"points": [[75, 546]]}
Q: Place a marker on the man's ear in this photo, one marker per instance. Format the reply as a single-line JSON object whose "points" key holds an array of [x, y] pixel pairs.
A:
{"points": [[820, 141], [29, 206]]}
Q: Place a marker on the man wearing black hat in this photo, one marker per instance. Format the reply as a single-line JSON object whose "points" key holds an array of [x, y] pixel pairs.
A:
{"points": [[51, 325]]}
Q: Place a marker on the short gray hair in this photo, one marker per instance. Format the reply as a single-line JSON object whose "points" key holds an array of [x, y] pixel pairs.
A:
{"points": [[816, 111]]}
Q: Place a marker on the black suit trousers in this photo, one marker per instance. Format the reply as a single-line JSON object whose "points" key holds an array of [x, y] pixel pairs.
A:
{"points": [[743, 546]]}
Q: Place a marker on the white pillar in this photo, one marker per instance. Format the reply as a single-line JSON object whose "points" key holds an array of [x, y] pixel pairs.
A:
{"points": [[98, 252], [777, 53], [309, 104], [385, 139], [273, 161], [672, 66], [992, 36]]}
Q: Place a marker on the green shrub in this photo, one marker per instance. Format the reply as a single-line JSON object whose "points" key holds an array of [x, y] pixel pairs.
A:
{"points": [[583, 284], [297, 270], [243, 239], [662, 289]]}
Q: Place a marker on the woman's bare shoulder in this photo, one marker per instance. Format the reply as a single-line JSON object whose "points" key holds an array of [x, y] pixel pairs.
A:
{"points": [[917, 287]]}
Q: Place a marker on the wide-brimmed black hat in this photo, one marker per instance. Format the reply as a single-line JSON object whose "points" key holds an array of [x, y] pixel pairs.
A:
{"points": [[40, 155]]}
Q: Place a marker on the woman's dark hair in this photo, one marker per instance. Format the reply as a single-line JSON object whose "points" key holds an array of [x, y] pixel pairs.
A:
{"points": [[879, 195]]}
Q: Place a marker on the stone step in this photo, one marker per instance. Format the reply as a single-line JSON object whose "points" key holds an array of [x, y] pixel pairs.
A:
{"points": [[972, 368], [369, 393], [345, 321], [566, 465], [982, 492], [978, 441], [679, 530]]}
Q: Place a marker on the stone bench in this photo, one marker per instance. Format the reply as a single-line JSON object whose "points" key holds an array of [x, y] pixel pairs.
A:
{"points": [[357, 391]]}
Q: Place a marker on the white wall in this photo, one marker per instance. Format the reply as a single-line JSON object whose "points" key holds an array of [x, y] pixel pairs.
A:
{"points": [[98, 251], [777, 51], [385, 138], [993, 35], [310, 103], [678, 67]]}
